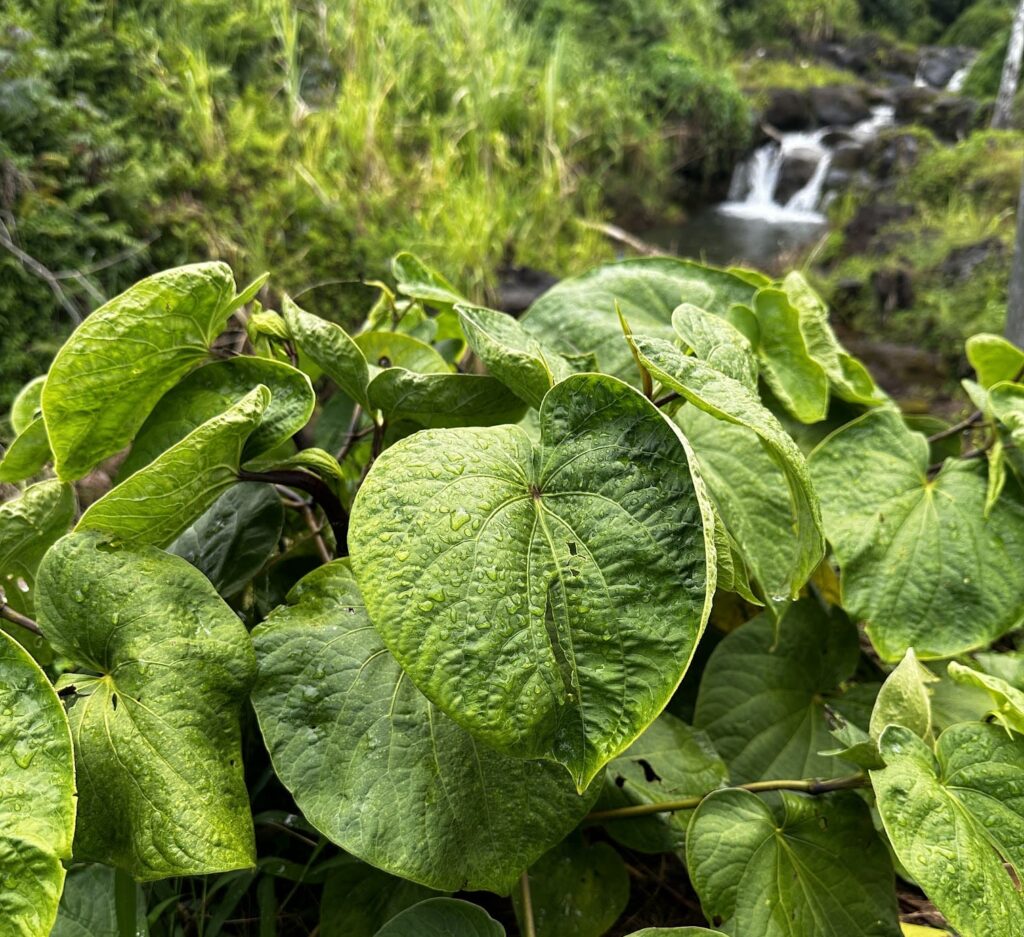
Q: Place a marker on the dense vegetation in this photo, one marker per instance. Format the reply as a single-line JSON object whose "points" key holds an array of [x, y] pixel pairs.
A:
{"points": [[649, 609]]}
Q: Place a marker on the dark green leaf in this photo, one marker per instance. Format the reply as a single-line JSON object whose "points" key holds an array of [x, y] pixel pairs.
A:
{"points": [[444, 400], [358, 900], [442, 917]]}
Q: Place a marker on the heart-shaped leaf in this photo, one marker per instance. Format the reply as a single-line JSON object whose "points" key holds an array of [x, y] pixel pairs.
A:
{"points": [[358, 899], [921, 564], [27, 405], [398, 350], [812, 868], [37, 809], [26, 456], [442, 917], [994, 359], [904, 699], [156, 733], [578, 315], [158, 502], [125, 356], [444, 400], [954, 817], [462, 816], [88, 907], [1008, 700], [414, 278], [547, 598]]}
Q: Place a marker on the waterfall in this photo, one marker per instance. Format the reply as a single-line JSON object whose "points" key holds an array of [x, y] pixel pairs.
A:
{"points": [[956, 83]]}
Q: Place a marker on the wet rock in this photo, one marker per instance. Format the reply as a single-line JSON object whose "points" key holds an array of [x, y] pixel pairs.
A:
{"points": [[961, 262], [518, 287], [839, 105], [869, 221], [797, 169], [940, 63], [893, 288], [914, 102], [789, 109], [848, 156], [897, 151], [952, 118], [835, 138]]}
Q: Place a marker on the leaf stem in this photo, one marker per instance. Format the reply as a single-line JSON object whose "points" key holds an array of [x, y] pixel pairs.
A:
{"points": [[529, 927], [667, 399], [957, 427], [316, 487], [11, 615], [808, 786]]}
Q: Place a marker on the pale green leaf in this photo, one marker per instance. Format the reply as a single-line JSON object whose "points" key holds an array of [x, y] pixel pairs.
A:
{"points": [[444, 400], [578, 315], [125, 356], [230, 543], [155, 718], [718, 342], [920, 562], [414, 794], [27, 405], [358, 900], [210, 390], [761, 698], [994, 359], [87, 907], [729, 400], [37, 809], [670, 761], [416, 279], [548, 598], [904, 699], [398, 350], [1008, 700], [733, 574], [511, 354], [331, 348], [954, 817], [26, 456], [812, 867], [157, 503], [799, 381], [576, 890]]}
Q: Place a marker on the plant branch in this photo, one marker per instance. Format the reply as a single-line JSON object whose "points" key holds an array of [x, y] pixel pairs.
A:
{"points": [[810, 786], [667, 399], [957, 427], [23, 620], [314, 486], [529, 928]]}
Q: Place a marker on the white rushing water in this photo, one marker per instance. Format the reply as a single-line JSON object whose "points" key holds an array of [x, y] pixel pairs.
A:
{"points": [[752, 193]]}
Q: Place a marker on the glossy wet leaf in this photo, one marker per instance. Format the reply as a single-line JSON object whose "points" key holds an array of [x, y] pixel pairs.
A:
{"points": [[156, 733], [670, 761], [37, 809], [331, 348], [808, 867], [27, 454], [761, 698], [905, 699], [920, 562], [416, 279], [726, 399], [1007, 701], [511, 354], [994, 359], [27, 405], [125, 356], [157, 503], [547, 597], [358, 900], [953, 818], [235, 537], [214, 388], [577, 890], [717, 342], [753, 497], [29, 525], [380, 771], [796, 378], [578, 315], [88, 909], [444, 400]]}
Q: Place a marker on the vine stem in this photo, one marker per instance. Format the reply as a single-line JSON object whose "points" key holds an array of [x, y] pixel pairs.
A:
{"points": [[975, 417], [529, 927], [315, 487], [808, 786], [11, 615]]}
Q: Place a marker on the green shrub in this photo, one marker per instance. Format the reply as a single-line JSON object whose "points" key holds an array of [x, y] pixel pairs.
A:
{"points": [[978, 23]]}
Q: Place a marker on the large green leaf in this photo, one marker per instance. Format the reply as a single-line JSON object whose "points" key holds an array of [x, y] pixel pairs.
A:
{"points": [[331, 348], [442, 917], [718, 342], [795, 377], [166, 666], [548, 598], [511, 354], [954, 817], [160, 501], [27, 454], [813, 867], [358, 900], [236, 536], [379, 770], [576, 890], [214, 388], [670, 761], [88, 907], [125, 356], [921, 564], [729, 400], [761, 698], [444, 400], [578, 315], [994, 359], [37, 807], [29, 525]]}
